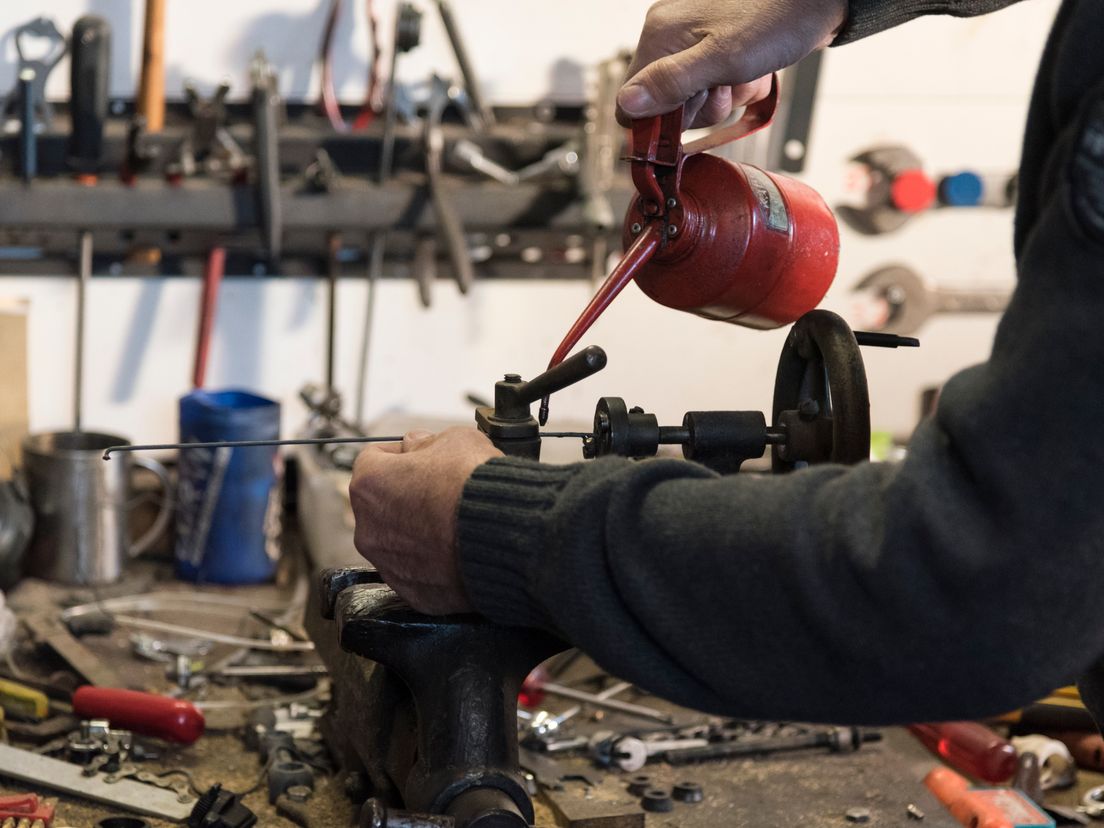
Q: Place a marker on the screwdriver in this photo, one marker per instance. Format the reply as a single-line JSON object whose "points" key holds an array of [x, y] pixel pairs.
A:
{"points": [[162, 717], [90, 69], [971, 747], [22, 702]]}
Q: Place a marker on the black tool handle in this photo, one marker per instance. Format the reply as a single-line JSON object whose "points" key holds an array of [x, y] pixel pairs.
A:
{"points": [[90, 74], [588, 361]]}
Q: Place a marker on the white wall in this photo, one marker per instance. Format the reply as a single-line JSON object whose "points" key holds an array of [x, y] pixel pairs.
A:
{"points": [[955, 91]]}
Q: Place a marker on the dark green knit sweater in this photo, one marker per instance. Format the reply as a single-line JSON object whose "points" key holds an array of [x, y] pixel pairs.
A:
{"points": [[960, 582]]}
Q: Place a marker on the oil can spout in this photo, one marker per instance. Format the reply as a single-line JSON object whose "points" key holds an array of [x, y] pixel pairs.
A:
{"points": [[638, 255]]}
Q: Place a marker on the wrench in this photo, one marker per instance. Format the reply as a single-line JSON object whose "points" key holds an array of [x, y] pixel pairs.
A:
{"points": [[910, 299], [44, 113], [448, 220]]}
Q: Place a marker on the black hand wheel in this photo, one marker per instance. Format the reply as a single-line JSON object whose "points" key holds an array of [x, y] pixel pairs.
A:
{"points": [[820, 395]]}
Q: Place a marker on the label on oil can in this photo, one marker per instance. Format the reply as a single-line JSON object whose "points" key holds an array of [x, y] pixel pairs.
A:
{"points": [[770, 199]]}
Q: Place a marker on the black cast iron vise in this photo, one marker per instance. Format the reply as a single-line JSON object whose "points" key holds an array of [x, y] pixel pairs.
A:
{"points": [[425, 707]]}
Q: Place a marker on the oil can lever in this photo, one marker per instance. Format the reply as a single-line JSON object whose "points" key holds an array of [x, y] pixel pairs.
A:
{"points": [[756, 116]]}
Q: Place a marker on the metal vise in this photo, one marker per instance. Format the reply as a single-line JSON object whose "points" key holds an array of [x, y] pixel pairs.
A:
{"points": [[427, 706]]}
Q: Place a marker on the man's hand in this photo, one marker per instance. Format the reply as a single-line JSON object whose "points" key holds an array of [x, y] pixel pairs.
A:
{"points": [[713, 55], [405, 499]]}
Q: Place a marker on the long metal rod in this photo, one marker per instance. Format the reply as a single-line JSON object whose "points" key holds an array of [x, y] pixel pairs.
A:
{"points": [[302, 441], [610, 704], [375, 270], [333, 270], [83, 275]]}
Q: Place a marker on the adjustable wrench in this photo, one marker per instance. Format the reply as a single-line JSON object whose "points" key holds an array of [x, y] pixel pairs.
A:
{"points": [[910, 299]]}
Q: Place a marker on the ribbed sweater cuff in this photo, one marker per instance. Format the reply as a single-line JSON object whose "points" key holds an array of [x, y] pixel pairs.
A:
{"points": [[501, 533], [867, 17]]}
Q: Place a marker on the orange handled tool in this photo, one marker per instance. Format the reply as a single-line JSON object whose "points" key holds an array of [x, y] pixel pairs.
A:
{"points": [[984, 807], [151, 82], [173, 720]]}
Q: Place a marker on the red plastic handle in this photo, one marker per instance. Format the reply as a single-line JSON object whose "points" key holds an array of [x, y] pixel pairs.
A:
{"points": [[173, 720], [971, 747]]}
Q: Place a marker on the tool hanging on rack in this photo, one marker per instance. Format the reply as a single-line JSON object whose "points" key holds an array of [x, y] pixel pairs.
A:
{"points": [[329, 103], [266, 155], [722, 240], [35, 71], [151, 83], [407, 36], [89, 79], [484, 115]]}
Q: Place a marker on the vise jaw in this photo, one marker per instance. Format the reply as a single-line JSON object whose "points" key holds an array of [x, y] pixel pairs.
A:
{"points": [[428, 704]]}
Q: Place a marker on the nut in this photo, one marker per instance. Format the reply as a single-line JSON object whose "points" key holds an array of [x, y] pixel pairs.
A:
{"points": [[688, 792], [657, 800], [298, 793]]}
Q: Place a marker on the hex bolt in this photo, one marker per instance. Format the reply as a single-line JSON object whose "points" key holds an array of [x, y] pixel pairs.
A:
{"points": [[657, 800], [688, 792], [640, 784], [914, 812], [636, 228], [858, 815], [808, 410]]}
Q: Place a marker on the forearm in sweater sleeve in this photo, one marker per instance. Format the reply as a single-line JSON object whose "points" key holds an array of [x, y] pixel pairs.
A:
{"points": [[961, 582], [867, 17]]}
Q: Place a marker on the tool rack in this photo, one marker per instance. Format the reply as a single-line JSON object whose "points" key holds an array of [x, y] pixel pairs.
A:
{"points": [[532, 229]]}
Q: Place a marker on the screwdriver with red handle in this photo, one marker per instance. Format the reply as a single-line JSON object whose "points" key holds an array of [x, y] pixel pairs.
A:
{"points": [[971, 747], [163, 717]]}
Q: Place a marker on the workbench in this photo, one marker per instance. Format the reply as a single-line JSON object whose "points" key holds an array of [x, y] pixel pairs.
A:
{"points": [[810, 788]]}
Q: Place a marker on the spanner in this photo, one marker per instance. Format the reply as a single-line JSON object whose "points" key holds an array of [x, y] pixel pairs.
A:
{"points": [[910, 299], [44, 113], [448, 220]]}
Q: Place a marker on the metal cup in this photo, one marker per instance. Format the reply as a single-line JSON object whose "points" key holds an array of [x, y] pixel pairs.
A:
{"points": [[82, 505]]}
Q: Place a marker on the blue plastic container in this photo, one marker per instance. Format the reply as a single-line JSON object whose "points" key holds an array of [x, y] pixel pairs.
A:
{"points": [[228, 503]]}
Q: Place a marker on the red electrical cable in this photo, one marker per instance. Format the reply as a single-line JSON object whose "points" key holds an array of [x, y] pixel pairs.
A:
{"points": [[330, 105]]}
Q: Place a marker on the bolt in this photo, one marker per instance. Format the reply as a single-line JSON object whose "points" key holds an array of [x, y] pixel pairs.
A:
{"points": [[858, 815], [914, 812], [808, 410], [672, 230], [672, 203], [636, 228]]}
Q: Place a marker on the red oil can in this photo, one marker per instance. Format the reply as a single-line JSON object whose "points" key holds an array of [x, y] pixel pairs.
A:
{"points": [[722, 240]]}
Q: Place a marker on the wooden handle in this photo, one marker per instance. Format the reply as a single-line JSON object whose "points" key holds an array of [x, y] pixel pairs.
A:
{"points": [[151, 87]]}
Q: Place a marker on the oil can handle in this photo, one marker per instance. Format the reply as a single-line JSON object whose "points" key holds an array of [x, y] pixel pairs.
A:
{"points": [[756, 116], [657, 151]]}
